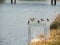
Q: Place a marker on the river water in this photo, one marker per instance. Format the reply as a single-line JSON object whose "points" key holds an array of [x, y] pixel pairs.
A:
{"points": [[14, 17]]}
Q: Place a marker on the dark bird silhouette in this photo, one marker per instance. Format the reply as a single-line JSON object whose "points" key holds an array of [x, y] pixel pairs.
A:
{"points": [[47, 19], [38, 21], [42, 20]]}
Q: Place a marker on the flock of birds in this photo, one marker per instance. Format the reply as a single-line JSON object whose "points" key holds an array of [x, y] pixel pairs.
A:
{"points": [[38, 21]]}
